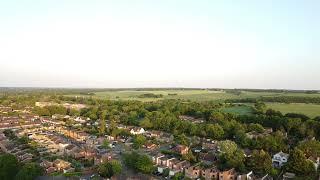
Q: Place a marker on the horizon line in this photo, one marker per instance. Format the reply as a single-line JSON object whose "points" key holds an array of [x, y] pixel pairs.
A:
{"points": [[123, 88]]}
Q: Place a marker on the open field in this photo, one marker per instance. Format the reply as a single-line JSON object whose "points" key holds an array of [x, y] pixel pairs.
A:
{"points": [[239, 110], [194, 95], [311, 110]]}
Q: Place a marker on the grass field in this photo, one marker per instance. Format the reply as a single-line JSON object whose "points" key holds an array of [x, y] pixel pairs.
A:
{"points": [[194, 95], [311, 110], [240, 110]]}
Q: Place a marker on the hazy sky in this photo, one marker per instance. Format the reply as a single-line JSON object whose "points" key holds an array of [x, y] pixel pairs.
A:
{"points": [[160, 43]]}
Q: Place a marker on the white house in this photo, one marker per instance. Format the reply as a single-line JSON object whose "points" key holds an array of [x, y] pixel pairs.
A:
{"points": [[279, 159], [137, 130], [80, 120]]}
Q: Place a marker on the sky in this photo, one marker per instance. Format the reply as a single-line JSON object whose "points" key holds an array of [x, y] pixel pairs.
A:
{"points": [[272, 44]]}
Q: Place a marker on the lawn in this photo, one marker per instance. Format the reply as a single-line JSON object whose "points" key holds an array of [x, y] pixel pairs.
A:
{"points": [[311, 110]]}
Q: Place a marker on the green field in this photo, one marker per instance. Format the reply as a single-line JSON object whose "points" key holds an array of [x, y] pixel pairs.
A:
{"points": [[311, 110], [239, 110], [194, 95]]}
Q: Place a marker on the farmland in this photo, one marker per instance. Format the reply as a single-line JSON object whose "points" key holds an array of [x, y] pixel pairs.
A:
{"points": [[193, 95], [311, 110], [241, 110]]}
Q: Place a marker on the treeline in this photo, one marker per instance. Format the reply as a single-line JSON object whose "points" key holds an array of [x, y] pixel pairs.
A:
{"points": [[150, 95], [276, 90], [297, 126], [278, 99]]}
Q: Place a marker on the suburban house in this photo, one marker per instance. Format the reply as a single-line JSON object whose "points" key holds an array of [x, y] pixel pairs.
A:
{"points": [[71, 150], [48, 166], [210, 173], [279, 159], [196, 171], [150, 146], [137, 130], [247, 176], [229, 174], [153, 133], [62, 165], [155, 156], [193, 172], [177, 166], [102, 158], [207, 158], [164, 163], [81, 120], [181, 149], [209, 145]]}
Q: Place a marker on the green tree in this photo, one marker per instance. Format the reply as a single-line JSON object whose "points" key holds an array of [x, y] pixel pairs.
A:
{"points": [[216, 117], [105, 143], [260, 106], [24, 140], [74, 112], [9, 166], [146, 123], [177, 176], [214, 131], [255, 127], [272, 143], [139, 141], [182, 139], [299, 164], [139, 162], [110, 168], [102, 128], [144, 164], [227, 146], [29, 172], [310, 148], [233, 160], [231, 156], [260, 162]]}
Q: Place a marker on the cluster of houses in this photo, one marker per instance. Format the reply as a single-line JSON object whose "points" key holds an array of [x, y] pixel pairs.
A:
{"points": [[66, 105], [20, 151], [174, 166], [58, 165], [5, 109], [55, 138], [17, 122], [53, 143]]}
